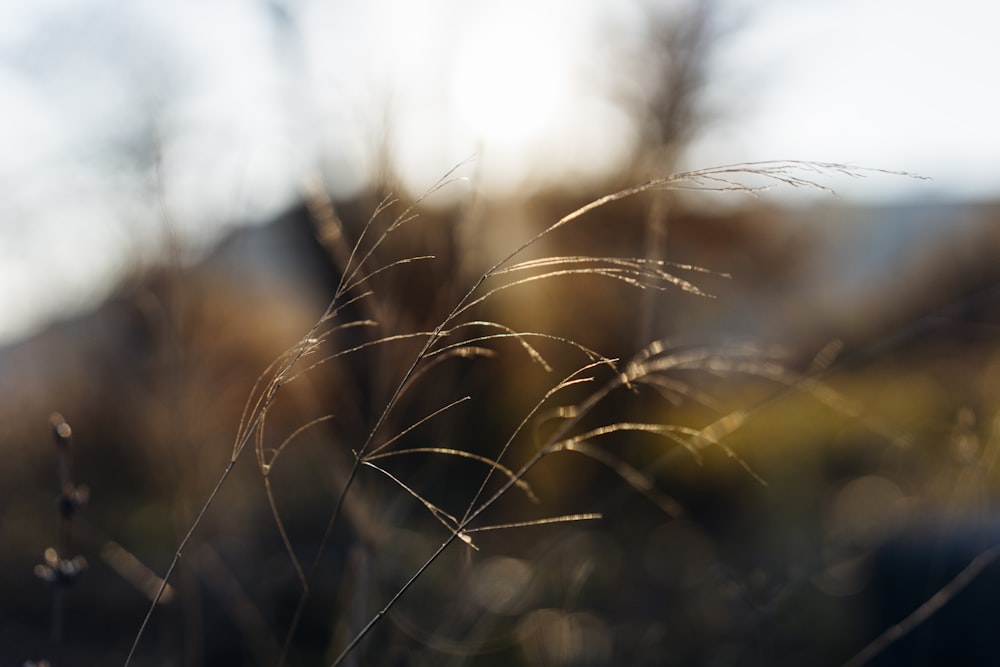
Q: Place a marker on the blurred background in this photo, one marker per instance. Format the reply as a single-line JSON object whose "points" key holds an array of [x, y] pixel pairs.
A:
{"points": [[169, 175]]}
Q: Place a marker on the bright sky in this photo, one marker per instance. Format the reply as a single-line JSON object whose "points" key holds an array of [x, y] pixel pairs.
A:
{"points": [[243, 100]]}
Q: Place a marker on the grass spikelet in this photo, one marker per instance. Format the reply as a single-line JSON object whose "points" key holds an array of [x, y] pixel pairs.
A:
{"points": [[461, 333]]}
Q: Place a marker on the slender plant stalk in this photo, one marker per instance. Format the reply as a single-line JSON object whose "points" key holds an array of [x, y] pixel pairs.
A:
{"points": [[933, 605]]}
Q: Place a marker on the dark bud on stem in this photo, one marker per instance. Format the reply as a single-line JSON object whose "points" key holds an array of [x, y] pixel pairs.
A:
{"points": [[73, 499]]}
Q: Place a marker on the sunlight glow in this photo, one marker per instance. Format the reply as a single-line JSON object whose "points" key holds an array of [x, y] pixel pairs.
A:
{"points": [[508, 92], [523, 95]]}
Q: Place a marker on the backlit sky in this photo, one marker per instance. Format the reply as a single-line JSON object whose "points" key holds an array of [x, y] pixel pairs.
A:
{"points": [[217, 112]]}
